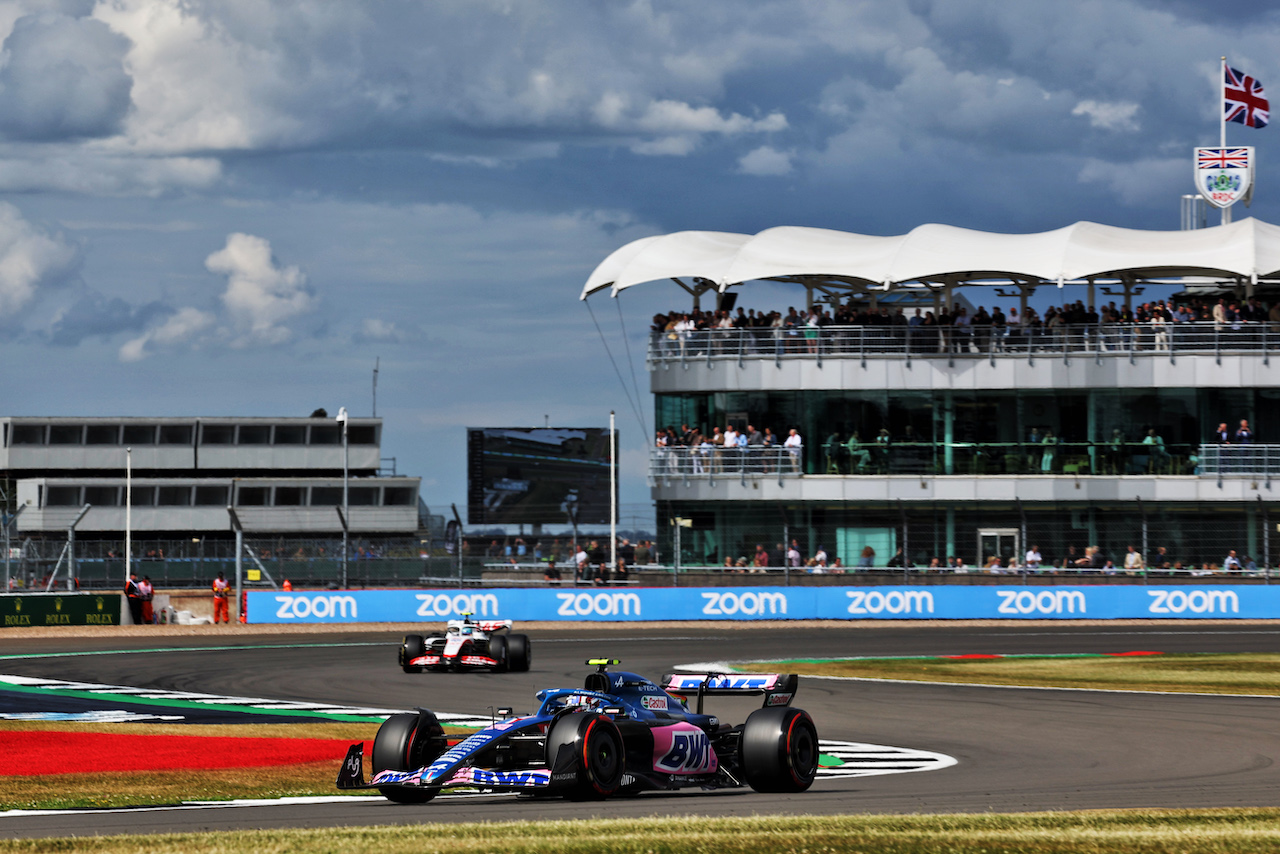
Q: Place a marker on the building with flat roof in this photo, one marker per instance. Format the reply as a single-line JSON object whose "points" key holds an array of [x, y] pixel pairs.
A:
{"points": [[282, 476]]}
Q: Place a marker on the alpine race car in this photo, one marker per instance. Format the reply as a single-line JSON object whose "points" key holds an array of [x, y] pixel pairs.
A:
{"points": [[467, 644], [619, 735]]}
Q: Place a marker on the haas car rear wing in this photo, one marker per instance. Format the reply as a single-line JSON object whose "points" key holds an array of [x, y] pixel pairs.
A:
{"points": [[778, 688]]}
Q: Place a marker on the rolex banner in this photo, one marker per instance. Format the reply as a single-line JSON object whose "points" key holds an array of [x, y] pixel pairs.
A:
{"points": [[60, 609], [1224, 176]]}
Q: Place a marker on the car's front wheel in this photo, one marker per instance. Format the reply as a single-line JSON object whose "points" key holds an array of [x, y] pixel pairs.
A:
{"points": [[407, 742], [779, 750], [412, 647], [589, 746]]}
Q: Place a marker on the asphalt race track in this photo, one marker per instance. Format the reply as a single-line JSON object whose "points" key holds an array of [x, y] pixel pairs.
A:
{"points": [[1016, 749]]}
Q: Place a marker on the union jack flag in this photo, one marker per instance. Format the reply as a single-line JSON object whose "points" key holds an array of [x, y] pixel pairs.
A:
{"points": [[1222, 158], [1245, 101]]}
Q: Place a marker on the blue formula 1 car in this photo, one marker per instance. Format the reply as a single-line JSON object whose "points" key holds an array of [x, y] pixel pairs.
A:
{"points": [[619, 735]]}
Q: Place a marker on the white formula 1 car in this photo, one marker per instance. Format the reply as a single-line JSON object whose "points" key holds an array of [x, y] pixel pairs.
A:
{"points": [[467, 644]]}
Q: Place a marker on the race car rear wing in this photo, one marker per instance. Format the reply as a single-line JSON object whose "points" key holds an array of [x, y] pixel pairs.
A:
{"points": [[779, 689]]}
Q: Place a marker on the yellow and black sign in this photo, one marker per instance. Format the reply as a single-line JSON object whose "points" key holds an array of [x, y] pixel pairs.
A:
{"points": [[60, 609]]}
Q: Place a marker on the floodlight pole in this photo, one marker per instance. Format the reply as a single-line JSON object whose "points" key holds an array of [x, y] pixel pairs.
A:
{"points": [[613, 495], [239, 529], [346, 507], [128, 512]]}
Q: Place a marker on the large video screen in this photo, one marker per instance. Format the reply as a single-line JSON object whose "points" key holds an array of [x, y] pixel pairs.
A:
{"points": [[537, 475]]}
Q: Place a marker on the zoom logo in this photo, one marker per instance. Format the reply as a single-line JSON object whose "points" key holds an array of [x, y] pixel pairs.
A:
{"points": [[893, 602], [1197, 602], [320, 607], [749, 604], [443, 605], [1044, 602], [599, 604]]}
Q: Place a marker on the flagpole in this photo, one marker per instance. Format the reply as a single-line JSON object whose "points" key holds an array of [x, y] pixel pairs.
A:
{"points": [[1222, 125], [1222, 113]]}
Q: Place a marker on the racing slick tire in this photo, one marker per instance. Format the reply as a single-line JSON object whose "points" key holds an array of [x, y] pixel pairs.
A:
{"points": [[519, 653], [779, 751], [411, 648], [498, 652], [589, 747], [407, 742]]}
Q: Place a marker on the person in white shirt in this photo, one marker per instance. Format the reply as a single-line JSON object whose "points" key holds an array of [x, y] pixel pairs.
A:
{"points": [[729, 448], [1033, 558], [1133, 560], [793, 445]]}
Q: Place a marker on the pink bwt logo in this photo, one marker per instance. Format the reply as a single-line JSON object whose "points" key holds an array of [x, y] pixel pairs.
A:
{"points": [[683, 749]]}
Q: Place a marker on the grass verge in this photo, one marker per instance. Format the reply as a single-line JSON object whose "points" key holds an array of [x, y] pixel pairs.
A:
{"points": [[1243, 673], [1223, 831]]}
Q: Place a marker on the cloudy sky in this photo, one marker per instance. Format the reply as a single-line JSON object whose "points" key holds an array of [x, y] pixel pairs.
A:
{"points": [[233, 208]]}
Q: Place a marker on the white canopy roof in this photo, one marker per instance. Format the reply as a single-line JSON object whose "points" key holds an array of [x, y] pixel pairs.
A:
{"points": [[944, 254]]}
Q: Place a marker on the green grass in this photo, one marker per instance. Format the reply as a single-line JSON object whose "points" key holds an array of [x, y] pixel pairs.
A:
{"points": [[1236, 673], [1223, 831]]}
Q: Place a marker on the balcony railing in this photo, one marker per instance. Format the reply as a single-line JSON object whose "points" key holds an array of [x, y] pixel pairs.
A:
{"points": [[709, 462], [1107, 340]]}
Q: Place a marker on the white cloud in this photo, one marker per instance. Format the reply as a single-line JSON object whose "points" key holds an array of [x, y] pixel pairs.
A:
{"points": [[261, 297], [29, 258], [1108, 116], [1144, 182], [185, 326], [373, 329], [765, 160]]}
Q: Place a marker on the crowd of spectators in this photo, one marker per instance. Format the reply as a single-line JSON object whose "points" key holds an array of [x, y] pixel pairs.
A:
{"points": [[1148, 326], [692, 450]]}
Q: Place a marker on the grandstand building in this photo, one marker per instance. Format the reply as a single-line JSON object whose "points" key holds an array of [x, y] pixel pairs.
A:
{"points": [[973, 443], [282, 476]]}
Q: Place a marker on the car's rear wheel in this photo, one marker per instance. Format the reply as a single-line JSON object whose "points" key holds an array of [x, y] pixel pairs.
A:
{"points": [[499, 652], [779, 750], [412, 647], [407, 742], [589, 746], [519, 653]]}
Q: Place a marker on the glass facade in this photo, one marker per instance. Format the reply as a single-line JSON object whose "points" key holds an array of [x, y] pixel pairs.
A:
{"points": [[1194, 535], [1083, 431]]}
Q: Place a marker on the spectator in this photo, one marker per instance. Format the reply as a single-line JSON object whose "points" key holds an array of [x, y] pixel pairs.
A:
{"points": [[1223, 435], [1133, 562], [761, 560], [820, 555], [1231, 563], [867, 559], [793, 555], [794, 445], [1244, 436], [642, 554], [551, 575], [1033, 559]]}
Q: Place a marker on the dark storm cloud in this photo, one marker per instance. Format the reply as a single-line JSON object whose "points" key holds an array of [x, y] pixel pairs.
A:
{"points": [[64, 79]]}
